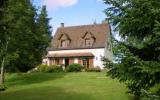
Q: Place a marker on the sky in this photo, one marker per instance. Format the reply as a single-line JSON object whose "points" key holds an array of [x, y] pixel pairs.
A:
{"points": [[73, 12]]}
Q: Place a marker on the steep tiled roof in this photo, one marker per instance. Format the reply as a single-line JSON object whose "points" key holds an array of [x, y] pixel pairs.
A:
{"points": [[76, 34]]}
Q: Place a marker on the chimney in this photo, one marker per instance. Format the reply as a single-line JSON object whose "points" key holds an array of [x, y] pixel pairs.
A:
{"points": [[62, 24]]}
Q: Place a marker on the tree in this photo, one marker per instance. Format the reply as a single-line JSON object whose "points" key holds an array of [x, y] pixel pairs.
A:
{"points": [[44, 32], [138, 23], [3, 41], [22, 44], [33, 41], [35, 46]]}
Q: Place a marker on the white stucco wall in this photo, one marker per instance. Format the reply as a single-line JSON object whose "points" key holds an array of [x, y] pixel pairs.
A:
{"points": [[98, 54], [75, 60], [108, 54]]}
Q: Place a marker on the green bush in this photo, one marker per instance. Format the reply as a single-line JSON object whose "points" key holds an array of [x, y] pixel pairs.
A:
{"points": [[42, 68], [51, 68], [93, 69], [3, 87], [54, 68], [74, 68]]}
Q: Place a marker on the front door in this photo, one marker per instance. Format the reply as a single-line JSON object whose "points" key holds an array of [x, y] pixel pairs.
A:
{"points": [[66, 61]]}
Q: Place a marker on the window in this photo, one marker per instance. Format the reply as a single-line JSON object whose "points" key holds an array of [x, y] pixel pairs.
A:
{"points": [[57, 61], [86, 62], [88, 43], [64, 43]]}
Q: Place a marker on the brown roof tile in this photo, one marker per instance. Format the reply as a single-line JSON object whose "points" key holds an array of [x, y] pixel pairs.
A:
{"points": [[76, 34]]}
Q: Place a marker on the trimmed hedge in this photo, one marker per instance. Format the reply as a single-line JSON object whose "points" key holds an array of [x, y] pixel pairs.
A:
{"points": [[74, 68]]}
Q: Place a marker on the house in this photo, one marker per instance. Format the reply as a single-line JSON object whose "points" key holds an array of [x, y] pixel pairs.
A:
{"points": [[85, 45]]}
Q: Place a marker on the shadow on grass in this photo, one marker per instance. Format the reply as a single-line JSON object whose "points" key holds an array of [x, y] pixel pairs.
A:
{"points": [[45, 93], [32, 78]]}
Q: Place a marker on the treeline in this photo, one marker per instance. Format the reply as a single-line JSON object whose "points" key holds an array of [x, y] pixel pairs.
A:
{"points": [[25, 34]]}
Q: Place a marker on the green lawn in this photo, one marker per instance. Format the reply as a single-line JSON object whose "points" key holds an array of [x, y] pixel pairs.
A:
{"points": [[63, 86]]}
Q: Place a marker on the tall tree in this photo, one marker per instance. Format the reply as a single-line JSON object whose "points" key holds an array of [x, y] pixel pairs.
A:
{"points": [[3, 41], [138, 23], [44, 32], [23, 44], [35, 47]]}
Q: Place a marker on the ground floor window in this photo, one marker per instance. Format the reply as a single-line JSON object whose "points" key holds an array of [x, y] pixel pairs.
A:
{"points": [[85, 62], [57, 61]]}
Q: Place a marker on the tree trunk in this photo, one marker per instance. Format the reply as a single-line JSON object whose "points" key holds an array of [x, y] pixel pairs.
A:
{"points": [[3, 64], [2, 72]]}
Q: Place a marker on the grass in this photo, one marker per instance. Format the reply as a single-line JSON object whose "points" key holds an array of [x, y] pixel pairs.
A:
{"points": [[63, 86]]}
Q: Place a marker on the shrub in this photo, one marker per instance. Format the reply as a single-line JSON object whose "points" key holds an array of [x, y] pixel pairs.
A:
{"points": [[3, 87], [54, 68], [42, 68], [93, 69], [74, 68], [46, 68]]}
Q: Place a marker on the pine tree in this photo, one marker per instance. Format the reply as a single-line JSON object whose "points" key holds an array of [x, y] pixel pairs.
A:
{"points": [[138, 24], [44, 30]]}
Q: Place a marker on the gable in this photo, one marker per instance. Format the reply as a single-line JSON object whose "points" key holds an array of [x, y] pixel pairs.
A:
{"points": [[87, 35], [63, 37]]}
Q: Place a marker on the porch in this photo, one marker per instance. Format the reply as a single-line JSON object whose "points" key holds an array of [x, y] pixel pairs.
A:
{"points": [[65, 59]]}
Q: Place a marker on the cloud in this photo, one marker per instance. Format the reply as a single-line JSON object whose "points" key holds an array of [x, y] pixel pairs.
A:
{"points": [[54, 4]]}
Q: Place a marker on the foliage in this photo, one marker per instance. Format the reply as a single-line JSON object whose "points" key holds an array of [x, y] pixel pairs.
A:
{"points": [[41, 68], [46, 68], [74, 68], [2, 87], [138, 53], [148, 95], [27, 42], [93, 69], [54, 68]]}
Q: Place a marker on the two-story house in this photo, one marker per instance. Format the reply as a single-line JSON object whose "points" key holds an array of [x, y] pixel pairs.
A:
{"points": [[85, 45]]}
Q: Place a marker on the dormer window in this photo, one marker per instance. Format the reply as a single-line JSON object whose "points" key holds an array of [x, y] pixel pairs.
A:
{"points": [[88, 39], [64, 40], [64, 43], [88, 43]]}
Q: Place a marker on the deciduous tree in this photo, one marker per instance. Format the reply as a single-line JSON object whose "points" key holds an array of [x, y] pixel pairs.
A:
{"points": [[24, 38]]}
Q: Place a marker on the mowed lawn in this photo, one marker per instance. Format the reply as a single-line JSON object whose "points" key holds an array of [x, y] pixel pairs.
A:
{"points": [[63, 86]]}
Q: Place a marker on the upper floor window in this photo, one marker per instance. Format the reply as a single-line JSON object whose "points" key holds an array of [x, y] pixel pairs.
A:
{"points": [[64, 43], [88, 42], [88, 39]]}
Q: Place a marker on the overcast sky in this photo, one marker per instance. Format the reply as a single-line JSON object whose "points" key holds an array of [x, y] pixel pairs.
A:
{"points": [[73, 12]]}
